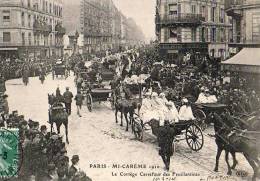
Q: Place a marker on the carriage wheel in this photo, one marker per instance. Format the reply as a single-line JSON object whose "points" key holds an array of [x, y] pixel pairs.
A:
{"points": [[194, 137], [200, 119], [89, 102]]}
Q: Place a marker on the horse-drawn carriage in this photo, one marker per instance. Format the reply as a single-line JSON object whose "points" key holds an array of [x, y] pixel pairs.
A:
{"points": [[97, 95], [57, 115], [59, 68], [193, 133], [202, 110]]}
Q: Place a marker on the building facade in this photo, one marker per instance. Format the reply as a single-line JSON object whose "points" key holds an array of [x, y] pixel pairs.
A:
{"points": [[245, 22], [192, 26], [105, 28], [31, 28]]}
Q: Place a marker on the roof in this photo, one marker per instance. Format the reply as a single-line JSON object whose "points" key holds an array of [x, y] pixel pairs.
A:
{"points": [[247, 56]]}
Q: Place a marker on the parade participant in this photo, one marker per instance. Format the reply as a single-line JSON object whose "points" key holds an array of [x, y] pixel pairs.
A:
{"points": [[79, 101], [254, 100], [205, 97], [74, 167], [165, 141], [68, 100], [59, 97], [42, 73], [43, 130], [79, 82], [172, 114], [185, 113]]}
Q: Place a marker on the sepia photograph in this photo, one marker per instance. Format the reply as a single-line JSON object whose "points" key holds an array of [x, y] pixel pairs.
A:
{"points": [[129, 90]]}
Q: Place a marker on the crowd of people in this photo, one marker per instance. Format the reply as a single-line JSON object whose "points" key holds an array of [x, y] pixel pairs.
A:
{"points": [[44, 154], [14, 68]]}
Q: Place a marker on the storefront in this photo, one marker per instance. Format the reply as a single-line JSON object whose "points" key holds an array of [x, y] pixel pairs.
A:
{"points": [[246, 65]]}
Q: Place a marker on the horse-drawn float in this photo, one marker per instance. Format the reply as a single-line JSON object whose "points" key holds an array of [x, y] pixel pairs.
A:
{"points": [[193, 133], [59, 69]]}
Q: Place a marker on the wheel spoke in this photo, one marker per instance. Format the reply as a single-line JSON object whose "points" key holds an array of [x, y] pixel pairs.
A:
{"points": [[198, 143], [191, 144]]}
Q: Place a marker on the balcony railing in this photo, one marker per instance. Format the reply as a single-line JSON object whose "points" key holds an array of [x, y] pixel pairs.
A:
{"points": [[180, 19]]}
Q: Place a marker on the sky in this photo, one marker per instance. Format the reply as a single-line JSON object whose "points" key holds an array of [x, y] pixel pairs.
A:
{"points": [[142, 11]]}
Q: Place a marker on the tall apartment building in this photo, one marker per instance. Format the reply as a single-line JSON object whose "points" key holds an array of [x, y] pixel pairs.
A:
{"points": [[96, 25], [31, 28], [192, 26], [245, 22], [102, 26]]}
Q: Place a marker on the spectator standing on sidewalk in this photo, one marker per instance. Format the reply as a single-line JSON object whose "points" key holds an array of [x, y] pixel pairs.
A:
{"points": [[79, 101], [68, 100]]}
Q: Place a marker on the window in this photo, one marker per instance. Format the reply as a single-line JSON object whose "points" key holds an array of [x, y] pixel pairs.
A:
{"points": [[6, 37], [23, 39], [179, 9], [30, 38], [29, 3], [46, 6], [43, 5], [193, 34], [222, 16], [193, 9], [213, 35], [29, 20], [203, 11], [6, 16], [213, 14], [222, 35], [22, 19], [172, 9], [50, 8]]}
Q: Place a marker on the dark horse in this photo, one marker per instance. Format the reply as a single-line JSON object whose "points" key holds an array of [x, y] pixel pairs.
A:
{"points": [[127, 107], [232, 139], [58, 115]]}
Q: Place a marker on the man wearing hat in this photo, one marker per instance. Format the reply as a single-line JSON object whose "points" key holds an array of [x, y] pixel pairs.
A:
{"points": [[165, 142], [74, 167], [79, 101], [68, 100]]}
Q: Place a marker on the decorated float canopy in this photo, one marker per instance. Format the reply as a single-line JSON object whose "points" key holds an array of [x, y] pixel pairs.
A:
{"points": [[246, 61]]}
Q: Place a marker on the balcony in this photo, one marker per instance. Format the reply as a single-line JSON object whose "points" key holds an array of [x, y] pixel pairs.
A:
{"points": [[233, 7], [179, 46], [60, 30], [180, 19], [42, 27]]}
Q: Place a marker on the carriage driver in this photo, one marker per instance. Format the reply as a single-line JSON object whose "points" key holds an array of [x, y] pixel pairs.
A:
{"points": [[68, 100], [165, 141]]}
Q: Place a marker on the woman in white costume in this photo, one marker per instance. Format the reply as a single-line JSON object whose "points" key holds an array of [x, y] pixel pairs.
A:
{"points": [[172, 114], [185, 113]]}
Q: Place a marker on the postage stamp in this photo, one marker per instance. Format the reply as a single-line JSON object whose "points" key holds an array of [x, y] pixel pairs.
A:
{"points": [[9, 153]]}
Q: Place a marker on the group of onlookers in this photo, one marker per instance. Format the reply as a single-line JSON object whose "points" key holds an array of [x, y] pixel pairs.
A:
{"points": [[44, 155]]}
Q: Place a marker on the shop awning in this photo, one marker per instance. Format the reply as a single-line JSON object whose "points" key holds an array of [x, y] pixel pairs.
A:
{"points": [[247, 60]]}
